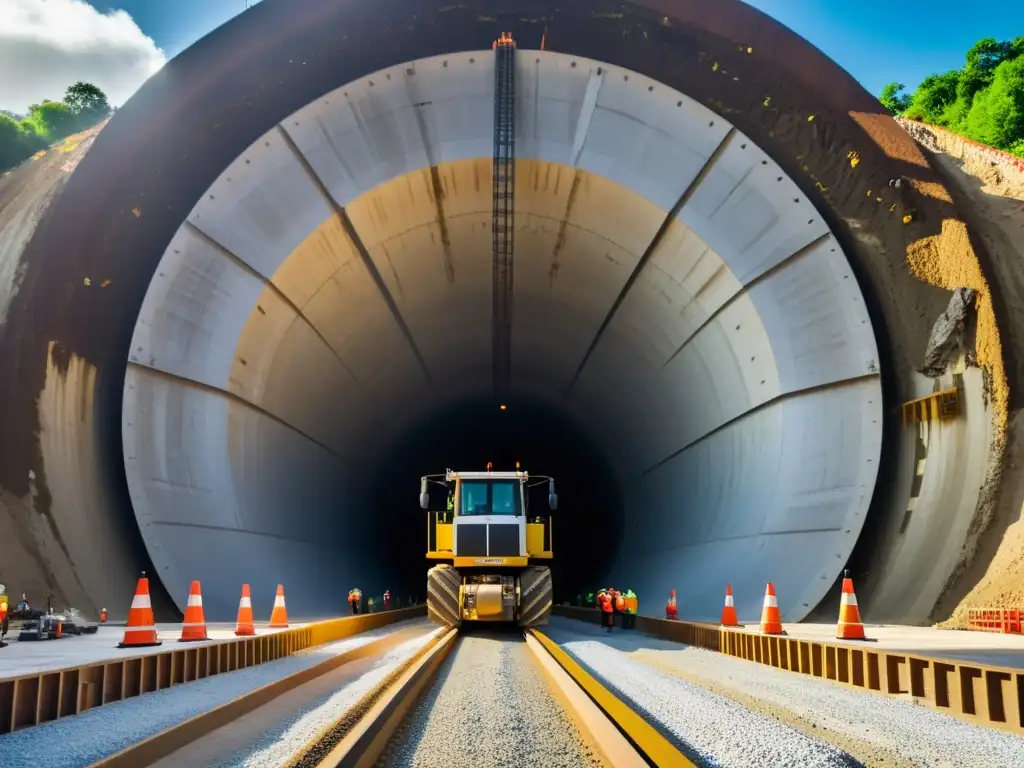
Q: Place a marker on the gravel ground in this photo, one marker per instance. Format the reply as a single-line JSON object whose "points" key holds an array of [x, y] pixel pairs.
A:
{"points": [[84, 739], [279, 745], [711, 729], [490, 706], [901, 733]]}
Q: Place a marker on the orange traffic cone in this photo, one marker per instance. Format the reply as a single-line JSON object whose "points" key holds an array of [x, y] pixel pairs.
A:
{"points": [[771, 619], [849, 627], [194, 625], [279, 616], [729, 610], [141, 629], [244, 627]]}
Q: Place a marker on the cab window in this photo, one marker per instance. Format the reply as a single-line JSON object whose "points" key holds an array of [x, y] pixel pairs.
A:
{"points": [[494, 497]]}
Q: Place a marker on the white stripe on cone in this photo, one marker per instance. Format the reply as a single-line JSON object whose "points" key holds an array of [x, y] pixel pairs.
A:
{"points": [[140, 601], [195, 600], [728, 601], [193, 624], [130, 630], [245, 602], [770, 601], [279, 601], [848, 599]]}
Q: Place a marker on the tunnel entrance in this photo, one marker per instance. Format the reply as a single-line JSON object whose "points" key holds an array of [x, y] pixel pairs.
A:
{"points": [[302, 273], [587, 527], [686, 348]]}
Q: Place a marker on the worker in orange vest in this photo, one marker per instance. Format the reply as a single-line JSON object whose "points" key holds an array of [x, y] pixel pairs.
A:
{"points": [[387, 599], [353, 601], [671, 611], [4, 623], [620, 605], [604, 602]]}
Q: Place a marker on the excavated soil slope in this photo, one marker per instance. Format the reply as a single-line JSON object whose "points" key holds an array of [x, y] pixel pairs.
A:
{"points": [[988, 187]]}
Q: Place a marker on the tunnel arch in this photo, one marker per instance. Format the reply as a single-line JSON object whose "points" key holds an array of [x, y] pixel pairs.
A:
{"points": [[675, 291], [171, 142]]}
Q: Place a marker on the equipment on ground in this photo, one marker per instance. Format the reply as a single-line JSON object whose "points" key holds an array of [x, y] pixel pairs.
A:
{"points": [[4, 619], [492, 549], [43, 626]]}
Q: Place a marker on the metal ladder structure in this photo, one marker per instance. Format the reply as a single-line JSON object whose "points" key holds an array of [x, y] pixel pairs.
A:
{"points": [[503, 222]]}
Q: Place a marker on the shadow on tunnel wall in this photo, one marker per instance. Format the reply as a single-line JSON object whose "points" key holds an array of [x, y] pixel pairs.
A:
{"points": [[587, 525]]}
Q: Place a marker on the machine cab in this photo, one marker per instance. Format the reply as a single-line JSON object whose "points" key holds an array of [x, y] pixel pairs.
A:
{"points": [[487, 520]]}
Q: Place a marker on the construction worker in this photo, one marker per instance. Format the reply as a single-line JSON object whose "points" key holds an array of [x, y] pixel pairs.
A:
{"points": [[370, 606], [3, 613], [354, 596], [620, 606], [590, 602], [450, 506], [671, 610], [629, 617], [387, 600], [604, 601]]}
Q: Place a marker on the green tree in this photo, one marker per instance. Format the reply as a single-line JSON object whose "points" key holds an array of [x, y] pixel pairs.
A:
{"points": [[996, 116], [87, 102], [983, 101], [933, 96], [15, 144], [894, 99], [52, 120]]}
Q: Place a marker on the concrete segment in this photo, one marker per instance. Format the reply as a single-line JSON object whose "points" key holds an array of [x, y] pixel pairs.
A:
{"points": [[982, 647], [26, 658]]}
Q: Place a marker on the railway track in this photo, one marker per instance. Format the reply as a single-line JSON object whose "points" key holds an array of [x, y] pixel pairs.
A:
{"points": [[421, 698]]}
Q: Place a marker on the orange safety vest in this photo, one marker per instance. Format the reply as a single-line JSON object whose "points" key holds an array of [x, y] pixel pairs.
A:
{"points": [[605, 601], [620, 602]]}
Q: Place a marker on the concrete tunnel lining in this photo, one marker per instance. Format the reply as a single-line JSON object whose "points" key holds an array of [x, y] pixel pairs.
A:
{"points": [[127, 199], [735, 389]]}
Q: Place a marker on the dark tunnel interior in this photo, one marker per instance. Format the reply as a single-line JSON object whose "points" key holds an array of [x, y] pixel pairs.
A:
{"points": [[589, 520]]}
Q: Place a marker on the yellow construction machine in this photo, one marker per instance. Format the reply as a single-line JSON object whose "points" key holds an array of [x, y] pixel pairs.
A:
{"points": [[492, 547]]}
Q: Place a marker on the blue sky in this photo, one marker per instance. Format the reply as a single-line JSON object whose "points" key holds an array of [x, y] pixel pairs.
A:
{"points": [[875, 40]]}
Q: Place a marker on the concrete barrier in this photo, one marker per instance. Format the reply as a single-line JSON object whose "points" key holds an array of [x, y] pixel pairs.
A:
{"points": [[984, 695], [40, 697]]}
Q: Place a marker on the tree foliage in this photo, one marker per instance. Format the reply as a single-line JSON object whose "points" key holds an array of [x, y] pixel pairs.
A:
{"points": [[983, 101], [83, 106], [894, 99]]}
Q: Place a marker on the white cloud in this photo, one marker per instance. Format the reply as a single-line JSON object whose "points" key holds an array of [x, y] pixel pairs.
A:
{"points": [[47, 45]]}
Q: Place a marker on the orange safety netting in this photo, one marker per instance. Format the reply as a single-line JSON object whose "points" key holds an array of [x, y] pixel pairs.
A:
{"points": [[1003, 620]]}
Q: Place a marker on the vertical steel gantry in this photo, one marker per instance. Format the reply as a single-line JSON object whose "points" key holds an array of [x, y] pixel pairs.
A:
{"points": [[503, 223]]}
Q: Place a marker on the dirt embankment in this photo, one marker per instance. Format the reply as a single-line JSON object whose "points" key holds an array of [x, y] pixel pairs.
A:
{"points": [[988, 187], [25, 192]]}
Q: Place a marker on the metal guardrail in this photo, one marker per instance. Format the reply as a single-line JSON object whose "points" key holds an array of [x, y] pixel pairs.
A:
{"points": [[978, 693], [41, 697], [936, 406]]}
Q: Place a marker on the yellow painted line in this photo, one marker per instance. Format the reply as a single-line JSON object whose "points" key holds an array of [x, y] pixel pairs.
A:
{"points": [[655, 747]]}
